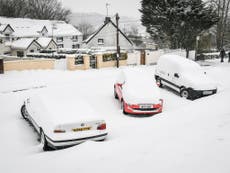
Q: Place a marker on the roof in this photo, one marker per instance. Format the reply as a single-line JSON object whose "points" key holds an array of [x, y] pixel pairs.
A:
{"points": [[23, 43], [25, 27], [100, 28], [45, 41], [4, 26]]}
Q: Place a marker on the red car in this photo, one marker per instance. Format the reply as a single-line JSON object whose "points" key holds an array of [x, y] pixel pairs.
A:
{"points": [[138, 93]]}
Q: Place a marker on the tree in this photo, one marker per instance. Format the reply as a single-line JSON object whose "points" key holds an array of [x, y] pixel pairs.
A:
{"points": [[35, 9], [223, 12], [47, 9], [177, 23], [12, 8], [86, 29]]}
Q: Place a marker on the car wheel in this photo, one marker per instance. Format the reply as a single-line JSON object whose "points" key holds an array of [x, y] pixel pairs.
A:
{"points": [[44, 141], [115, 94], [184, 93], [158, 81], [24, 112], [123, 107]]}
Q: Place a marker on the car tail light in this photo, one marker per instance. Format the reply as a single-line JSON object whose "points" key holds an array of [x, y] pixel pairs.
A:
{"points": [[101, 127], [160, 104], [59, 131]]}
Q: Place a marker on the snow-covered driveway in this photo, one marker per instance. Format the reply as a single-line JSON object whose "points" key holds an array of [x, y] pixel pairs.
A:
{"points": [[189, 136]]}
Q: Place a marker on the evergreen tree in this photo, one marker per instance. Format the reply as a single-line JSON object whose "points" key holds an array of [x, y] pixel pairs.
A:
{"points": [[177, 23]]}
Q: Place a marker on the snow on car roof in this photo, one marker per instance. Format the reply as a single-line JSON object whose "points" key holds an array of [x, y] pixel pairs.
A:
{"points": [[138, 83], [179, 62], [63, 108]]}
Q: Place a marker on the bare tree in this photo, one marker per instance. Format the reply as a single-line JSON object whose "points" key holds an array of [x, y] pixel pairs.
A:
{"points": [[47, 9], [36, 9], [86, 28], [223, 12], [13, 8]]}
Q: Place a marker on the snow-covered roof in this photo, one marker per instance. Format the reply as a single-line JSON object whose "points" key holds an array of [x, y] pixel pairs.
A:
{"points": [[25, 27], [102, 26], [2, 27], [44, 41], [23, 43]]}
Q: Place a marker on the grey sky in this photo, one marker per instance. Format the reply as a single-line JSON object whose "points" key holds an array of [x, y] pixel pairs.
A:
{"points": [[123, 7]]}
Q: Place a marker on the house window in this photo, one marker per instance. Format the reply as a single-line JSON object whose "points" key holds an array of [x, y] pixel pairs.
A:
{"points": [[59, 39], [7, 38], [75, 46], [100, 41], [20, 54], [32, 50], [75, 38], [60, 45], [79, 60]]}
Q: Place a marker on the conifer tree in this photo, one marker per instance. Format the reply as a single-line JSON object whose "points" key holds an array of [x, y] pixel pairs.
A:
{"points": [[177, 23]]}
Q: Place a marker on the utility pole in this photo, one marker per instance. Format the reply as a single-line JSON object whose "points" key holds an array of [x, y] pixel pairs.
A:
{"points": [[118, 46]]}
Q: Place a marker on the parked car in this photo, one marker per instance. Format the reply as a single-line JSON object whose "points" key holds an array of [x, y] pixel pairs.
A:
{"points": [[184, 76], [137, 92], [62, 122]]}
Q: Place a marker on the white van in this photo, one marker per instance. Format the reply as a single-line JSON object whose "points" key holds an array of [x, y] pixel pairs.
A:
{"points": [[184, 76]]}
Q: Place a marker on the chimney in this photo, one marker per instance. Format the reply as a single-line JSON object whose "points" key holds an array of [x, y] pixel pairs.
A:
{"points": [[107, 20]]}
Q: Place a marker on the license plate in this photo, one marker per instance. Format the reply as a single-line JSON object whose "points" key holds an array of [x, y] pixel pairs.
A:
{"points": [[81, 129], [145, 106], [207, 92]]}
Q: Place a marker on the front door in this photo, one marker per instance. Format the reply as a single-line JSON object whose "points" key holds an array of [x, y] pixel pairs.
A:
{"points": [[142, 57]]}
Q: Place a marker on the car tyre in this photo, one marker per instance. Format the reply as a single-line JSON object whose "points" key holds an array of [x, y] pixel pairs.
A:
{"points": [[123, 107], [159, 83], [24, 112], [44, 141], [184, 93]]}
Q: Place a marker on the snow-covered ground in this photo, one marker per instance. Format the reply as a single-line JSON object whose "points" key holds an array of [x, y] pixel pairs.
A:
{"points": [[189, 136]]}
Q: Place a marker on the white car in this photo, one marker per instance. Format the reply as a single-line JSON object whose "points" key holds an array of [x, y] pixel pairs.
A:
{"points": [[138, 93], [62, 122], [184, 76]]}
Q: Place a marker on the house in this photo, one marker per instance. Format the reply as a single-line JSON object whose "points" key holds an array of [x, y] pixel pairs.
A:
{"points": [[64, 34], [21, 47], [106, 37], [47, 43]]}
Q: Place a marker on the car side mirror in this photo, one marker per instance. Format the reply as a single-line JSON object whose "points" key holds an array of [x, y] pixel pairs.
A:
{"points": [[176, 75]]}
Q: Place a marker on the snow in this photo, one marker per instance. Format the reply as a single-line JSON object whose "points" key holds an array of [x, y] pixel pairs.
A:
{"points": [[189, 136], [23, 43], [25, 27], [139, 87], [44, 41], [190, 73], [2, 27], [63, 108]]}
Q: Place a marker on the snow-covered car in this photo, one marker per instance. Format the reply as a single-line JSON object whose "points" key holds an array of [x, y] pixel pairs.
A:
{"points": [[62, 122], [184, 76], [137, 92]]}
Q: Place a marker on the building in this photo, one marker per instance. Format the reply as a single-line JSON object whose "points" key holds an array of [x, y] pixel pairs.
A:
{"points": [[106, 37], [63, 34]]}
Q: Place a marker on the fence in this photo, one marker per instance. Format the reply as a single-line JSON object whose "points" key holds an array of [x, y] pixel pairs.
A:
{"points": [[28, 64]]}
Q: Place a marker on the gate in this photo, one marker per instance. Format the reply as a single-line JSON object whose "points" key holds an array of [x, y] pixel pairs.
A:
{"points": [[1, 66], [142, 57], [60, 64], [92, 61]]}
